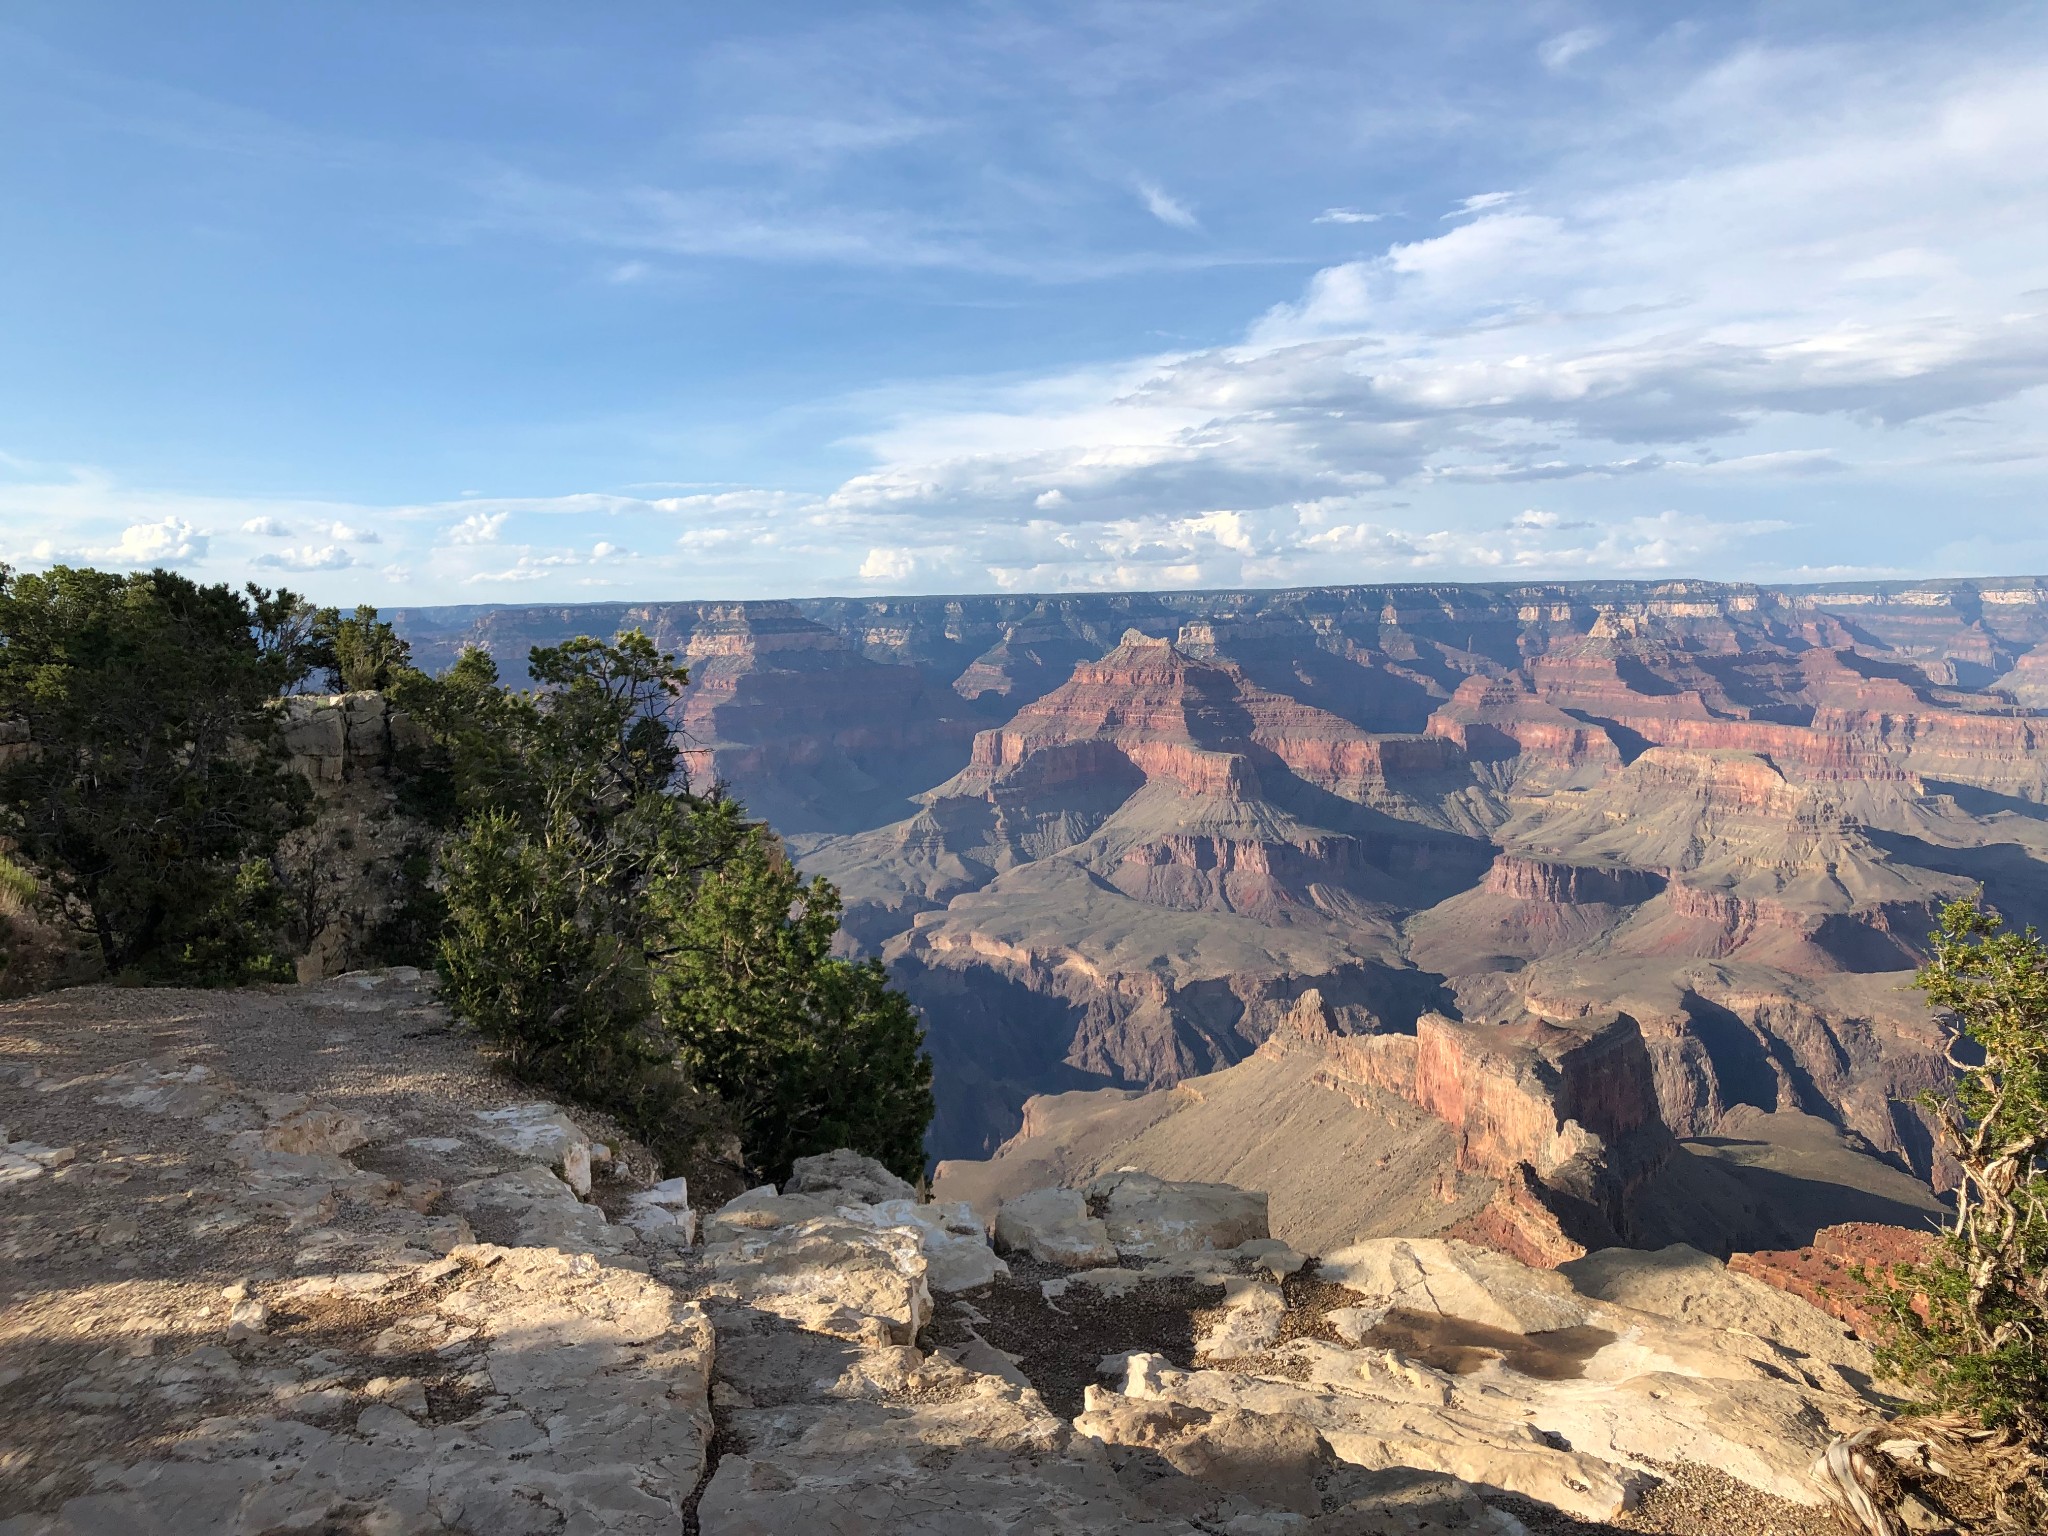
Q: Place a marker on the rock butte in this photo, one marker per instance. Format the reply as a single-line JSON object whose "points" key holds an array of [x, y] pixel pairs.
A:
{"points": [[309, 1330]]}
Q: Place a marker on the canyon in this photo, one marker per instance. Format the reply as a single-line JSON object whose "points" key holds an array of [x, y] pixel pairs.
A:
{"points": [[1582, 902]]}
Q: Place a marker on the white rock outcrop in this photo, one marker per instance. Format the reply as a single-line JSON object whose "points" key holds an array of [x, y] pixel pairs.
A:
{"points": [[850, 1279], [1054, 1227], [1152, 1218]]}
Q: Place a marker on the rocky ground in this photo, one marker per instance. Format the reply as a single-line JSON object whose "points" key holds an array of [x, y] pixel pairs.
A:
{"points": [[296, 1259]]}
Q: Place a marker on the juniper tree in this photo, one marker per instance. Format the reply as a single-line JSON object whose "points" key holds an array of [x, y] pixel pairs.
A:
{"points": [[153, 790], [1970, 1324]]}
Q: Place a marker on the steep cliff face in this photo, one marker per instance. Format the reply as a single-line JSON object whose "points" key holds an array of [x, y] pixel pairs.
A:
{"points": [[1563, 1115], [815, 735], [350, 873]]}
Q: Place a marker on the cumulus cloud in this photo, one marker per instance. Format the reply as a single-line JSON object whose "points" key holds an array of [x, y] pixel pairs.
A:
{"points": [[327, 557], [267, 528], [1604, 334], [887, 565], [478, 528], [166, 540], [349, 534]]}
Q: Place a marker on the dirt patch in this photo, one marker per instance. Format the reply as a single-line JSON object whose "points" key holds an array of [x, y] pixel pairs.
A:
{"points": [[1059, 1343], [1690, 1501]]}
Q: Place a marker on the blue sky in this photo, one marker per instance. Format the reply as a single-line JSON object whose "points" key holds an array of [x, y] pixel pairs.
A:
{"points": [[528, 302]]}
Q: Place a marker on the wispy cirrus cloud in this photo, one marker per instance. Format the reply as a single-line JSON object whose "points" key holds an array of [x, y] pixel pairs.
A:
{"points": [[1165, 207], [1557, 53]]}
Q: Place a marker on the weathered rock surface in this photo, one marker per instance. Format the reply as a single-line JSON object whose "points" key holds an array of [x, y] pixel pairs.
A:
{"points": [[298, 1328], [830, 1275], [847, 1175], [1054, 1226], [369, 1367], [1152, 1218]]}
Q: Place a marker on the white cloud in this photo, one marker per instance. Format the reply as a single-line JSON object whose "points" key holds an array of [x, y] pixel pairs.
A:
{"points": [[349, 534], [168, 539], [887, 565], [1346, 216], [328, 557], [1800, 281], [478, 528], [267, 528], [530, 567], [1559, 51], [1166, 208], [1479, 202]]}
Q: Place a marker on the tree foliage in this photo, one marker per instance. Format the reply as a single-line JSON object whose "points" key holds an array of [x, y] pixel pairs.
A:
{"points": [[152, 790], [1970, 1325], [360, 652], [642, 945], [811, 1051]]}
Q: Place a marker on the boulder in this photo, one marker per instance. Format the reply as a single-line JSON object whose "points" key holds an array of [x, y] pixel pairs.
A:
{"points": [[544, 1133], [663, 1213], [1150, 1218], [1456, 1279], [845, 1278], [1054, 1227], [956, 1251], [1487, 1449], [762, 1210], [847, 1175], [530, 1207]]}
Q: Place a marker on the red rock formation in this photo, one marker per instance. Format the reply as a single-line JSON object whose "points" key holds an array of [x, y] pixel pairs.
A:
{"points": [[1543, 880], [1492, 718], [1519, 1222], [1840, 1268], [1564, 1116], [1202, 724]]}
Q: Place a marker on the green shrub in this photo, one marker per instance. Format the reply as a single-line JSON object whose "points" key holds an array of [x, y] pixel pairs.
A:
{"points": [[811, 1051], [18, 889]]}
